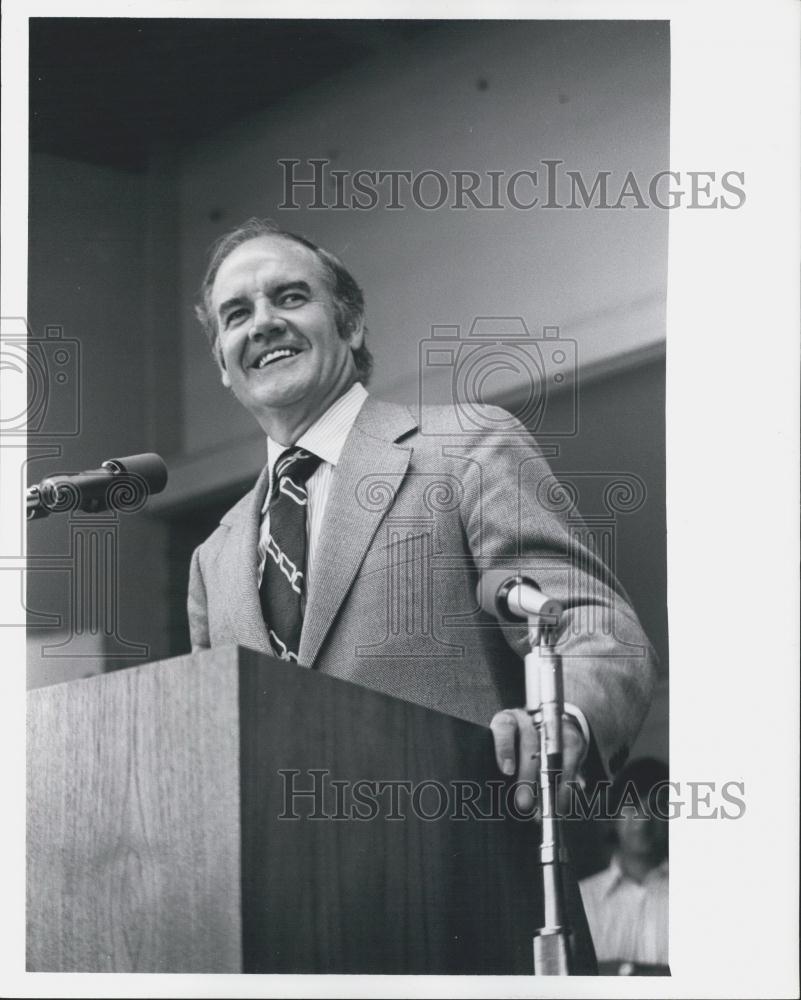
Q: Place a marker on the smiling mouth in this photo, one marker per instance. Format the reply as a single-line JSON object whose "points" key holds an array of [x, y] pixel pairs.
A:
{"points": [[270, 357]]}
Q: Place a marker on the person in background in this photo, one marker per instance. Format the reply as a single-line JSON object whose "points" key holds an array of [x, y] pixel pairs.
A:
{"points": [[627, 902]]}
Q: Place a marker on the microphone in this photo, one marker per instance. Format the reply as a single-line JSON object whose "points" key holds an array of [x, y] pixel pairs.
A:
{"points": [[511, 597], [119, 484]]}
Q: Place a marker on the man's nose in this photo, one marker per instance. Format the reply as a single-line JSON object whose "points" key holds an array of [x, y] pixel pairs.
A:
{"points": [[266, 319]]}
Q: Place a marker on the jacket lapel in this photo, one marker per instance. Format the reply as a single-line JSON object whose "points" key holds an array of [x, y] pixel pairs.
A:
{"points": [[352, 515], [239, 566]]}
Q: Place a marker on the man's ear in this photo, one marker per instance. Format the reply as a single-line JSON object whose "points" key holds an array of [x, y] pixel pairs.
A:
{"points": [[356, 335], [218, 357]]}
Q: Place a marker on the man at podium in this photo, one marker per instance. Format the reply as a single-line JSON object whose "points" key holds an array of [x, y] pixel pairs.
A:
{"points": [[358, 550], [357, 555]]}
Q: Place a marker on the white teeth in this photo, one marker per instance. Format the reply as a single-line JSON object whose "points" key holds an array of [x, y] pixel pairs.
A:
{"points": [[283, 352]]}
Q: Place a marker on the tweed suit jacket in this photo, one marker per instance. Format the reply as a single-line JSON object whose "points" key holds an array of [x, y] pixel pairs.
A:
{"points": [[417, 508]]}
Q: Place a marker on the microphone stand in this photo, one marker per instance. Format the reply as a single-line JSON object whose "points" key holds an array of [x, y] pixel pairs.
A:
{"points": [[545, 703]]}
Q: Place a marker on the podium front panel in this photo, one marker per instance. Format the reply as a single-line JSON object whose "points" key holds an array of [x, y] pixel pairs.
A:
{"points": [[170, 828]]}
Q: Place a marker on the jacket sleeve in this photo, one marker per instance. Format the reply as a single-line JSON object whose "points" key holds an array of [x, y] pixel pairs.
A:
{"points": [[197, 608], [515, 518]]}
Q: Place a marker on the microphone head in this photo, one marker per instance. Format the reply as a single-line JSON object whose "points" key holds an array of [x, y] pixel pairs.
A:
{"points": [[492, 591], [149, 466], [511, 597]]}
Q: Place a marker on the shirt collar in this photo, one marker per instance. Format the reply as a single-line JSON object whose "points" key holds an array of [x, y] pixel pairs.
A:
{"points": [[327, 435], [615, 873], [617, 876]]}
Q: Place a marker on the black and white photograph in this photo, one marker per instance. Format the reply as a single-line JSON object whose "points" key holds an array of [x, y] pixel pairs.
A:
{"points": [[400, 533]]}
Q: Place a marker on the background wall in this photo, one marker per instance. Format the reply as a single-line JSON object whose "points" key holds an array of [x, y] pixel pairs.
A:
{"points": [[87, 260], [592, 94], [117, 253]]}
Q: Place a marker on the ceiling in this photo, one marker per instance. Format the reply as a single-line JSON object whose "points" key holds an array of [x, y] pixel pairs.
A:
{"points": [[110, 90]]}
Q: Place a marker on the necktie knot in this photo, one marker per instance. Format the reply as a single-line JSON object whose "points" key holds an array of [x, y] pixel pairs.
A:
{"points": [[296, 465]]}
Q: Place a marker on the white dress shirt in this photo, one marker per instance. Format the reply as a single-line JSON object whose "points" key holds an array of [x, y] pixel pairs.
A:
{"points": [[628, 920], [325, 438]]}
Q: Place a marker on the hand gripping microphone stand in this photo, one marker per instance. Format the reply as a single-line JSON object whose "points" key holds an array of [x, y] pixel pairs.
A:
{"points": [[518, 597]]}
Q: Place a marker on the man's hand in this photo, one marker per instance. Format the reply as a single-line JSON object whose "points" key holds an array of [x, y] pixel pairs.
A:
{"points": [[517, 751]]}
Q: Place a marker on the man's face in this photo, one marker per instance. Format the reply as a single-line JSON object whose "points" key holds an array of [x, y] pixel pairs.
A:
{"points": [[280, 350], [641, 833]]}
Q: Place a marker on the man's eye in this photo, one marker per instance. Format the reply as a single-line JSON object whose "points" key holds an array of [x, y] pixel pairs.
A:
{"points": [[234, 316], [293, 299]]}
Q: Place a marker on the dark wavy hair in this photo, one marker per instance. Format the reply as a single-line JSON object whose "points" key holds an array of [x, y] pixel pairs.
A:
{"points": [[348, 296], [644, 781]]}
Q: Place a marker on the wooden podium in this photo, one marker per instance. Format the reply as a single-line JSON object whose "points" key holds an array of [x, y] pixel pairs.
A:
{"points": [[161, 835]]}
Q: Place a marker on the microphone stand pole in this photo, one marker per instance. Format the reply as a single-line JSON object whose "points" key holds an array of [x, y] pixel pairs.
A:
{"points": [[545, 703]]}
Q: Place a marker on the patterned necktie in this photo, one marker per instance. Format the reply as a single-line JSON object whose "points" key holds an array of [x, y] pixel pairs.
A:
{"points": [[283, 582]]}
